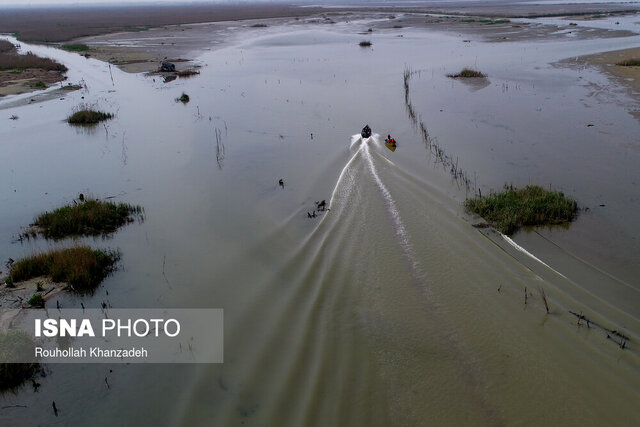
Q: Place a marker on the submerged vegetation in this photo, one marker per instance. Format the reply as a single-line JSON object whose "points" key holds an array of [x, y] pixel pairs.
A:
{"points": [[81, 267], [466, 73], [12, 344], [88, 217], [631, 62], [86, 115], [431, 144], [515, 208]]}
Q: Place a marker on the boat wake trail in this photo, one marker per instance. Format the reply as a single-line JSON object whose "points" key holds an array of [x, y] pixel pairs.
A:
{"points": [[346, 181], [399, 227]]}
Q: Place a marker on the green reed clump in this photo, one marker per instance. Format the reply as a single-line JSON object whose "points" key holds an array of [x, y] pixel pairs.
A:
{"points": [[466, 73], [81, 267], [514, 208], [89, 217], [88, 117]]}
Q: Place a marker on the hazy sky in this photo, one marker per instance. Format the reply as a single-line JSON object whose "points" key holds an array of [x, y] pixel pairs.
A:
{"points": [[50, 2]]}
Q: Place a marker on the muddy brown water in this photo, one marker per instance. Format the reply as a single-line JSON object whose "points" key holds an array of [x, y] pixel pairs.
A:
{"points": [[388, 309]]}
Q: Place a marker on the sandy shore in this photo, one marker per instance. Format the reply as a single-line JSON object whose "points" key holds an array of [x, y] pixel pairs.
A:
{"points": [[18, 295], [12, 83], [606, 62]]}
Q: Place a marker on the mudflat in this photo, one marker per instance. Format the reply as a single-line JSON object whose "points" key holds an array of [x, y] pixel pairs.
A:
{"points": [[57, 24]]}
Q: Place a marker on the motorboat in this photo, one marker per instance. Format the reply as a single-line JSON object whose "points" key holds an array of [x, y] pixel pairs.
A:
{"points": [[390, 143], [366, 132]]}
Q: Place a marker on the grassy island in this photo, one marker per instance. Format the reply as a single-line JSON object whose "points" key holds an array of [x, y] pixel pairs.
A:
{"points": [[86, 116], [81, 267], [514, 208], [89, 217], [466, 73]]}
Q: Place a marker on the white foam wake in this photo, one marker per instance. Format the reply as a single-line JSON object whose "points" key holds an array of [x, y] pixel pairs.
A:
{"points": [[526, 252], [398, 225]]}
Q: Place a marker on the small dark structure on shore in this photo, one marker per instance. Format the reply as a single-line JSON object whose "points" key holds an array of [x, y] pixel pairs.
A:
{"points": [[166, 67]]}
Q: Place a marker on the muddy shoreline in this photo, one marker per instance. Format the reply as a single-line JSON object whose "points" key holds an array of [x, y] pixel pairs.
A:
{"points": [[142, 52], [624, 76]]}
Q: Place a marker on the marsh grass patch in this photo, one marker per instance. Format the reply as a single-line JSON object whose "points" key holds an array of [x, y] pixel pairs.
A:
{"points": [[82, 268], [85, 114], [513, 208], [86, 218]]}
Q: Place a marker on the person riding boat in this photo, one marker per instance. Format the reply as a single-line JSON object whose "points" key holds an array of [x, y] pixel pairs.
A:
{"points": [[366, 132]]}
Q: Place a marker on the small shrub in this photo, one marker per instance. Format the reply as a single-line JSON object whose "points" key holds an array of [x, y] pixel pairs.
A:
{"points": [[40, 85], [36, 301], [466, 73], [365, 43], [184, 98]]}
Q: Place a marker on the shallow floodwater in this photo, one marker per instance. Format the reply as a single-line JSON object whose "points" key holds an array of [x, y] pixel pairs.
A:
{"points": [[388, 309]]}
